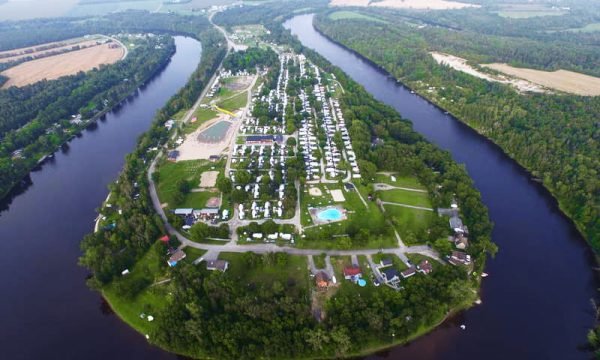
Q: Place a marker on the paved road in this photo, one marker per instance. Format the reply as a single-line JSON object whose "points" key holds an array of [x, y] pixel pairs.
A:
{"points": [[406, 206]]}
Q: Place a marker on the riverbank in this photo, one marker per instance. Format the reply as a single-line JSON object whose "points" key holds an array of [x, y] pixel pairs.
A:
{"points": [[434, 102], [76, 128]]}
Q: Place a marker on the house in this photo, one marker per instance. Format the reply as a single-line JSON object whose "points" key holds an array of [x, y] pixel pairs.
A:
{"points": [[220, 265], [390, 275], [321, 280], [409, 272], [207, 214], [461, 242], [352, 273], [349, 186], [260, 139], [424, 267], [459, 258], [214, 158], [173, 155], [385, 263], [183, 211], [175, 257], [456, 224]]}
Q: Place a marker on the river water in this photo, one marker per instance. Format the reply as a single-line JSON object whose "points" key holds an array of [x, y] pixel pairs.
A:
{"points": [[46, 309], [536, 301]]}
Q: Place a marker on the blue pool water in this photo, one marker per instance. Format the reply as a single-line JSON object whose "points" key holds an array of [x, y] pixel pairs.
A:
{"points": [[329, 215]]}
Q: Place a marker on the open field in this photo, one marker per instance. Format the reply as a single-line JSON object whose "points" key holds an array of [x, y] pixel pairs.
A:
{"points": [[401, 181], [405, 197], [406, 4], [588, 28], [409, 222], [41, 49], [18, 10], [234, 103], [351, 15], [562, 80], [524, 11], [54, 67]]}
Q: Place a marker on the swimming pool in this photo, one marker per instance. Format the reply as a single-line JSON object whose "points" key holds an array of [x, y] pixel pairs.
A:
{"points": [[332, 214]]}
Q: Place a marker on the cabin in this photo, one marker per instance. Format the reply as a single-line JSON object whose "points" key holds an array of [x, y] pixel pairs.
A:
{"points": [[176, 257], [217, 265], [459, 258], [385, 263], [173, 155], [390, 275]]}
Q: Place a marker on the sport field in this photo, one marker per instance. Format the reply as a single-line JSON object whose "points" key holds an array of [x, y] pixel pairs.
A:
{"points": [[197, 200], [234, 103], [342, 15], [562, 80], [54, 67], [410, 223], [405, 197]]}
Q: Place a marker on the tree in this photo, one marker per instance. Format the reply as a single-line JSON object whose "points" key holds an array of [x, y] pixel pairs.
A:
{"points": [[224, 185], [443, 246], [199, 231]]}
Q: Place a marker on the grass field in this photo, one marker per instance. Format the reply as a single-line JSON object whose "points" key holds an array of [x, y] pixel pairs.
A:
{"points": [[588, 28], [351, 15], [409, 222], [296, 268], [405, 197], [172, 172], [562, 80], [53, 67], [401, 181], [202, 115], [234, 103]]}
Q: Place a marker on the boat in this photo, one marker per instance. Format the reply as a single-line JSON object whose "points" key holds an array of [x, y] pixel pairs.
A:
{"points": [[484, 274], [412, 91]]}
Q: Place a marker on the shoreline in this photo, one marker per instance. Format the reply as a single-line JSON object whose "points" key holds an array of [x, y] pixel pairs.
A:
{"points": [[532, 179]]}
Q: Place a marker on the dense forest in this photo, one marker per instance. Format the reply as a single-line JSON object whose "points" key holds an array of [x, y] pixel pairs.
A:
{"points": [[553, 136], [215, 315]]}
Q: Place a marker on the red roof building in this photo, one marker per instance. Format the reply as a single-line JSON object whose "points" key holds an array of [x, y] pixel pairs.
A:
{"points": [[352, 271], [165, 239]]}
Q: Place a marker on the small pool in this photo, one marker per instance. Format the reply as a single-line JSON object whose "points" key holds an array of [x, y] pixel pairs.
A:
{"points": [[332, 214]]}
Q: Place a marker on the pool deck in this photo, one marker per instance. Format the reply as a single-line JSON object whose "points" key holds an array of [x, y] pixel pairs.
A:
{"points": [[314, 211]]}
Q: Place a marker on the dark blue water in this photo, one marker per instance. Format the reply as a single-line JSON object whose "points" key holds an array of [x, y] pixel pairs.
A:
{"points": [[536, 302], [46, 309]]}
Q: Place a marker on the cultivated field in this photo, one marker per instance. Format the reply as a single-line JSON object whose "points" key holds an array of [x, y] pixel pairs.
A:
{"points": [[35, 51], [406, 4], [54, 67], [562, 80]]}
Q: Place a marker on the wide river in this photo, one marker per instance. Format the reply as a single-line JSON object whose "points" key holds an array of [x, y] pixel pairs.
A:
{"points": [[536, 301], [46, 309]]}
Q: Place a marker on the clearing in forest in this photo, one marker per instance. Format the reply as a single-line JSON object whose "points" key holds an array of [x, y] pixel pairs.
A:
{"points": [[70, 63]]}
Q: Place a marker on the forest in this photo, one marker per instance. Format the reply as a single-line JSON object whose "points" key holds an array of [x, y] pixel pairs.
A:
{"points": [[224, 316], [554, 136]]}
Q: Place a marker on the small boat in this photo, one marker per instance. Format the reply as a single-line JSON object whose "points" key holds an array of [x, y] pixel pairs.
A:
{"points": [[484, 274], [463, 327], [478, 301], [412, 92]]}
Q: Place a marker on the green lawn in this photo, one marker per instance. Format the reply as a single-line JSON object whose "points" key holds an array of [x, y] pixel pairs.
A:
{"points": [[192, 254], [234, 103], [417, 258], [352, 15], [401, 181], [319, 261], [202, 115], [295, 268], [398, 264], [149, 300], [405, 197], [409, 222], [588, 28], [171, 172]]}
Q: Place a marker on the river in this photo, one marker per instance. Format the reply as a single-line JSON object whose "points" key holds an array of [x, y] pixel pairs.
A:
{"points": [[46, 309], [536, 301]]}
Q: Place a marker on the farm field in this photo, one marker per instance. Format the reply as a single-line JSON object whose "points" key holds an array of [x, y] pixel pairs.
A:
{"points": [[54, 67], [16, 54], [406, 4], [562, 80], [524, 11], [588, 28]]}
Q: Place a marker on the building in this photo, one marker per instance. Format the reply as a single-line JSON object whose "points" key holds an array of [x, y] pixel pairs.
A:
{"points": [[206, 214], [260, 139], [183, 212], [390, 275], [385, 263], [176, 257], [352, 273], [214, 158], [409, 272], [424, 267], [459, 258], [321, 280], [173, 155], [220, 265], [461, 242]]}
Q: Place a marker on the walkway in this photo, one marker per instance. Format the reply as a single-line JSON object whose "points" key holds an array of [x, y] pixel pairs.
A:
{"points": [[384, 187]]}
